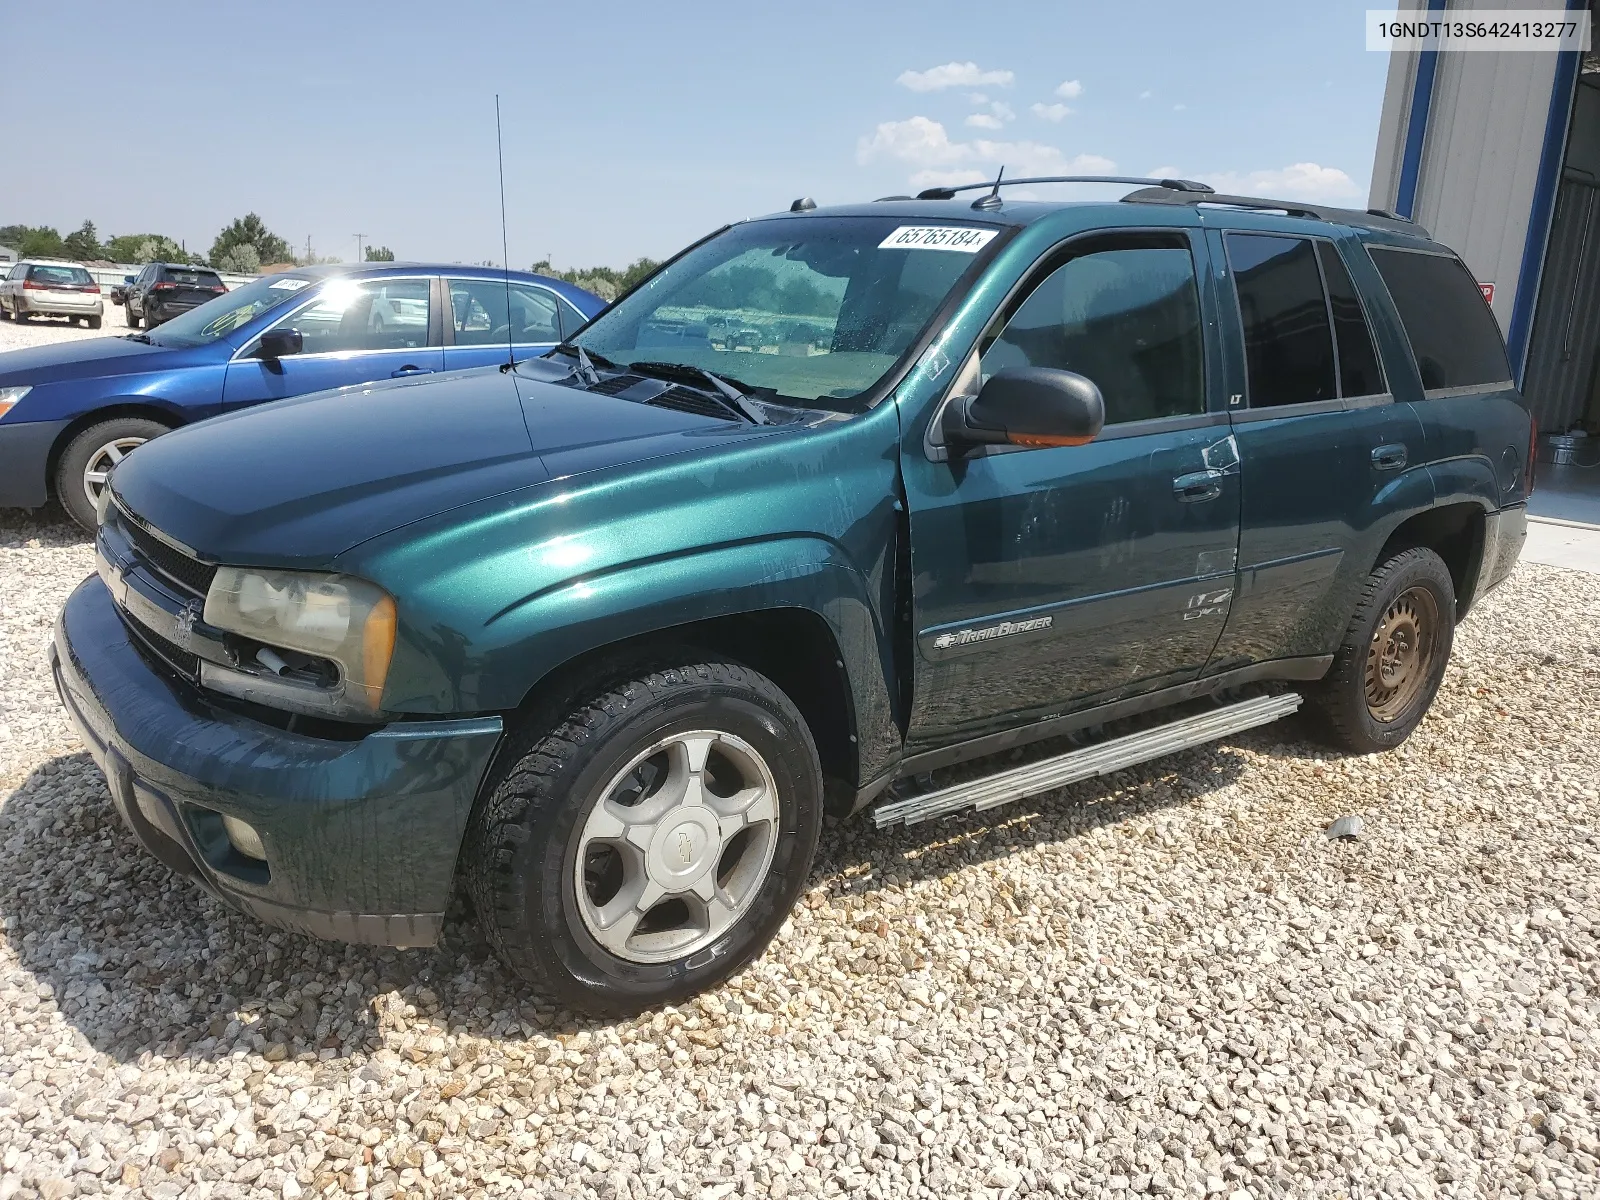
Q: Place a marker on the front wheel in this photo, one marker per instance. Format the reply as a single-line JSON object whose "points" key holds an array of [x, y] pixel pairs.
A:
{"points": [[1389, 666], [89, 457], [652, 842]]}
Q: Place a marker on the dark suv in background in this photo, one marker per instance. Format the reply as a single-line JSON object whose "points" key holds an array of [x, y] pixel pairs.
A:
{"points": [[163, 290]]}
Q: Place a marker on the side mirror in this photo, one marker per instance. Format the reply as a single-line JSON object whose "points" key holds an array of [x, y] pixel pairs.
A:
{"points": [[127, 279], [1027, 406], [280, 343]]}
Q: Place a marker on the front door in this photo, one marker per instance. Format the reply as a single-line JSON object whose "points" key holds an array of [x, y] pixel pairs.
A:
{"points": [[354, 331], [1054, 578]]}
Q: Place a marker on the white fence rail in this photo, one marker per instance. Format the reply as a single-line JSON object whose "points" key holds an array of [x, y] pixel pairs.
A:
{"points": [[110, 277]]}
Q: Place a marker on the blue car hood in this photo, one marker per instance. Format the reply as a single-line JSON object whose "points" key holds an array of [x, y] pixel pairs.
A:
{"points": [[93, 358], [297, 482]]}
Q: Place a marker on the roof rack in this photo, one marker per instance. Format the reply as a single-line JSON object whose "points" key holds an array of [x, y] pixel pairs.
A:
{"points": [[1372, 218], [994, 185]]}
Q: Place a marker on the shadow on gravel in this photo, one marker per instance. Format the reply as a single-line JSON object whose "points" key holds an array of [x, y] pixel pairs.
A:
{"points": [[48, 527], [140, 960]]}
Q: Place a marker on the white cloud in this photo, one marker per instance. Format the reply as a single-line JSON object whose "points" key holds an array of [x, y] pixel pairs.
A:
{"points": [[1307, 181], [926, 147], [984, 121], [1052, 112], [1298, 181], [1070, 90], [953, 74], [1003, 110], [1145, 95], [977, 98]]}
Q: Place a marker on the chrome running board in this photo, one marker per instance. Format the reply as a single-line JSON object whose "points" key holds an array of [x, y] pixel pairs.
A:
{"points": [[1052, 773]]}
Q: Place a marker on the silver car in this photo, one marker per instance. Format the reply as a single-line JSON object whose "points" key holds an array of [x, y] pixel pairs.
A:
{"points": [[45, 287]]}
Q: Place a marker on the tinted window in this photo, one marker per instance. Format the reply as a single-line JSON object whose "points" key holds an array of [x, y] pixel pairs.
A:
{"points": [[60, 276], [1287, 342], [478, 308], [1128, 318], [1453, 334], [195, 278], [1358, 365], [378, 314]]}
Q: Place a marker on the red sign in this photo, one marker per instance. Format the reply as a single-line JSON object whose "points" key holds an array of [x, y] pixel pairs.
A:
{"points": [[1488, 291]]}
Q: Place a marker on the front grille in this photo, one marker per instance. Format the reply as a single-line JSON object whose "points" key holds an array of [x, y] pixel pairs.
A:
{"points": [[163, 652], [690, 401], [190, 574]]}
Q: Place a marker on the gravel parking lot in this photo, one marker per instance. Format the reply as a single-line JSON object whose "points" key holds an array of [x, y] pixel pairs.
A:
{"points": [[1165, 982], [40, 331]]}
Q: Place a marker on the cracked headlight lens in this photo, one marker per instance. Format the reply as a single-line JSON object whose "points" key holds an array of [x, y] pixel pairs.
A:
{"points": [[328, 619]]}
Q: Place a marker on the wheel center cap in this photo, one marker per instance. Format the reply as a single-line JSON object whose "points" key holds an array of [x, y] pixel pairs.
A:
{"points": [[683, 848]]}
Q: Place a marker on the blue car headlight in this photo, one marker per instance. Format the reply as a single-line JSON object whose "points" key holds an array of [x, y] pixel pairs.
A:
{"points": [[9, 397]]}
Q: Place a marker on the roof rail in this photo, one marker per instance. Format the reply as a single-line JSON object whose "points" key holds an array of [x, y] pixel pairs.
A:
{"points": [[1371, 218], [1177, 185]]}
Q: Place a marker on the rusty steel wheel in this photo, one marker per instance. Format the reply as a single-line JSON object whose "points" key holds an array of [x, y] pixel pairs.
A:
{"points": [[1401, 653], [1392, 658]]}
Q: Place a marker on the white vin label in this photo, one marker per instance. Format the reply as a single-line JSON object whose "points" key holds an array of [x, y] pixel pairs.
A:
{"points": [[962, 238]]}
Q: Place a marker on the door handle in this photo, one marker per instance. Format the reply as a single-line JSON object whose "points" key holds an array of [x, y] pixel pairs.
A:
{"points": [[1197, 486], [1390, 457], [408, 369]]}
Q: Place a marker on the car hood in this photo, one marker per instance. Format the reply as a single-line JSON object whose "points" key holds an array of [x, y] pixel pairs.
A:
{"points": [[88, 359], [298, 482]]}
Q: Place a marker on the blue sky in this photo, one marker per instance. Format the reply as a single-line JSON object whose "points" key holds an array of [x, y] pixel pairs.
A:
{"points": [[632, 128]]}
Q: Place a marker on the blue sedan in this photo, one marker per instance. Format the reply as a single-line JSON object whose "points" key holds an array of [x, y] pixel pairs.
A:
{"points": [[70, 411]]}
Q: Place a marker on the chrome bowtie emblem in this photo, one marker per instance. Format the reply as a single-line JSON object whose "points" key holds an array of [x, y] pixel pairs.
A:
{"points": [[183, 627], [685, 848]]}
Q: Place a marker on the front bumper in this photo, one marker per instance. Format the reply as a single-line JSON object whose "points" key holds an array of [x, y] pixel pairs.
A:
{"points": [[24, 461], [361, 835]]}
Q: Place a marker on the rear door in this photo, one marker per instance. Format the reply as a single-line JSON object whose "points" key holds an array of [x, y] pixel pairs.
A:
{"points": [[482, 329], [354, 331], [1325, 451], [1048, 579]]}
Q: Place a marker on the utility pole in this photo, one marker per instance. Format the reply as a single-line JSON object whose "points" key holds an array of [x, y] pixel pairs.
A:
{"points": [[359, 236], [309, 259]]}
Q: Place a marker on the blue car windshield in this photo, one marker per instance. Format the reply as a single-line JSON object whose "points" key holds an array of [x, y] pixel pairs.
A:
{"points": [[813, 311], [217, 318]]}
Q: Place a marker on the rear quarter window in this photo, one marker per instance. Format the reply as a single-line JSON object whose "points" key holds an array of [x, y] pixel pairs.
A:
{"points": [[1453, 335], [195, 278]]}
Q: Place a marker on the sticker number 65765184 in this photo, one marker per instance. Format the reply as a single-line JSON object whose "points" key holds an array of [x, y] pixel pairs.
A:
{"points": [[962, 238]]}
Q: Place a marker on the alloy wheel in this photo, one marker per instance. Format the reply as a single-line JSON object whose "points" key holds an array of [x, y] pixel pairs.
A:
{"points": [[678, 846], [101, 462]]}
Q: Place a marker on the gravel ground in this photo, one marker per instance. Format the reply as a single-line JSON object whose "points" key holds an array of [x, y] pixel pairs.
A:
{"points": [[1167, 982], [40, 331]]}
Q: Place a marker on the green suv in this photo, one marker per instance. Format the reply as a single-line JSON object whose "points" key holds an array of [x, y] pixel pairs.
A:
{"points": [[834, 500]]}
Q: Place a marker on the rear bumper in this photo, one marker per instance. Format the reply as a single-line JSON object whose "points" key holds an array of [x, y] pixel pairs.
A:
{"points": [[60, 304], [25, 461], [361, 836]]}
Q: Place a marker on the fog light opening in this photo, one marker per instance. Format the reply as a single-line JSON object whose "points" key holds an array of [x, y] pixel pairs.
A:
{"points": [[244, 838]]}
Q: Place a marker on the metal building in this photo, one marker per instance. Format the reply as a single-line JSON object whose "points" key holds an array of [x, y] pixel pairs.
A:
{"points": [[1498, 156]]}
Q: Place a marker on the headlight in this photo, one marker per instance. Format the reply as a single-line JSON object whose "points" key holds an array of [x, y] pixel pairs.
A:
{"points": [[9, 397], [315, 643]]}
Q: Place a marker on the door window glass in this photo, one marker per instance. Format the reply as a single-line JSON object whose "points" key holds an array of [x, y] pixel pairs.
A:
{"points": [[478, 309], [1358, 365], [1453, 335], [377, 314], [1127, 318], [1287, 340], [571, 319]]}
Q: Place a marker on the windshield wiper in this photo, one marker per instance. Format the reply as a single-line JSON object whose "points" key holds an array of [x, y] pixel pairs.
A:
{"points": [[573, 350], [724, 387], [139, 337]]}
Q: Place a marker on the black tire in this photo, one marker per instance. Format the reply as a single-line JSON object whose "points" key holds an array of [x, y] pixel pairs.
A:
{"points": [[93, 322], [520, 855], [20, 315], [70, 488], [1345, 705], [127, 314], [150, 321]]}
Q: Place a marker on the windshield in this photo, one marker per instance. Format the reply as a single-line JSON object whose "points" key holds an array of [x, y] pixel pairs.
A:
{"points": [[217, 318], [812, 310]]}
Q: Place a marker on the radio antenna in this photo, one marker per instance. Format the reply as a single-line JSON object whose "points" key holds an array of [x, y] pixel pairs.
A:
{"points": [[505, 254]]}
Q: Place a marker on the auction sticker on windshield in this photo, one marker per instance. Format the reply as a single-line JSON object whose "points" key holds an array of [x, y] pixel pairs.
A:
{"points": [[291, 285], [961, 238]]}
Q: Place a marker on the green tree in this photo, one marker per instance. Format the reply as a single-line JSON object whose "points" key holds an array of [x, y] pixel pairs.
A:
{"points": [[606, 282], [83, 244], [145, 248], [379, 254], [241, 258], [249, 230], [32, 241]]}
